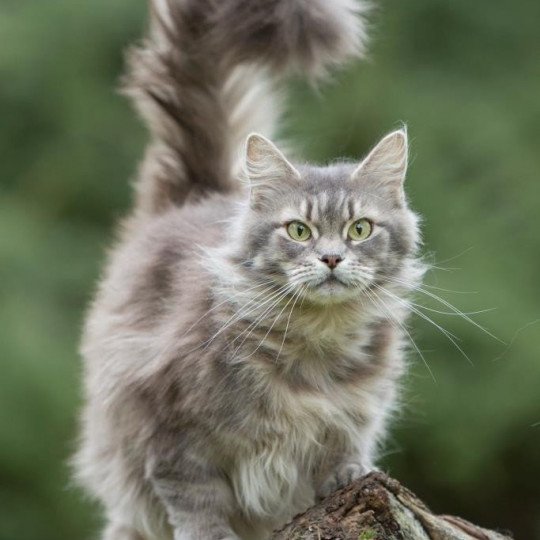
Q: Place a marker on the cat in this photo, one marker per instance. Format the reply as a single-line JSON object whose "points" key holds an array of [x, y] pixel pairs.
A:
{"points": [[243, 353]]}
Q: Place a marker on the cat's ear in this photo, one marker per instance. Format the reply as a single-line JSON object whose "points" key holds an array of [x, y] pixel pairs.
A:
{"points": [[268, 170], [386, 165]]}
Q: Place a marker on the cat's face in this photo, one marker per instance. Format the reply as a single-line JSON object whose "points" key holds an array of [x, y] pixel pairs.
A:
{"points": [[332, 233]]}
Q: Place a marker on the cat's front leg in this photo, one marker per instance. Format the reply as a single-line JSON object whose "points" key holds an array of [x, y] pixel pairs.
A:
{"points": [[345, 473], [202, 531], [197, 498]]}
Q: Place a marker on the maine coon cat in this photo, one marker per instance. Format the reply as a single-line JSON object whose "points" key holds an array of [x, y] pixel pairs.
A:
{"points": [[242, 354]]}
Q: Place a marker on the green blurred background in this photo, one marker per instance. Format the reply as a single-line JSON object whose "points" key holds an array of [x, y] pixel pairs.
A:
{"points": [[464, 76]]}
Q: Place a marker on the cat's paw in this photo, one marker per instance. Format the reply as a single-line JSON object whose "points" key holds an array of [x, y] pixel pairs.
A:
{"points": [[342, 476], [209, 535]]}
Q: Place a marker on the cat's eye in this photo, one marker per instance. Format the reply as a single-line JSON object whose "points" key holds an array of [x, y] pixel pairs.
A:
{"points": [[360, 230], [299, 231]]}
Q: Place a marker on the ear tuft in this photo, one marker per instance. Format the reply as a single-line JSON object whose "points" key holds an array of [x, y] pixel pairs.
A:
{"points": [[265, 161], [386, 164], [268, 170]]}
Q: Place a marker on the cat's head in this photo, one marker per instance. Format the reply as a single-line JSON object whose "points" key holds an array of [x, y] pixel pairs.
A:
{"points": [[335, 232]]}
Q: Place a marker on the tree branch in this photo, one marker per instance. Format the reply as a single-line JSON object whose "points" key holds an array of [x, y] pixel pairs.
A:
{"points": [[377, 507]]}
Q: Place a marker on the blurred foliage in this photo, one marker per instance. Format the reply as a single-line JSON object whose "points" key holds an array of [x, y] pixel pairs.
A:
{"points": [[464, 76]]}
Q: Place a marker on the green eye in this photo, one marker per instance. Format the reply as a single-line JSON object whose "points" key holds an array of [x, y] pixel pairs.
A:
{"points": [[360, 230], [299, 231]]}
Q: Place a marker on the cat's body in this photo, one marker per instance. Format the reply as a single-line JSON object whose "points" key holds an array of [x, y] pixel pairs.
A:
{"points": [[236, 370]]}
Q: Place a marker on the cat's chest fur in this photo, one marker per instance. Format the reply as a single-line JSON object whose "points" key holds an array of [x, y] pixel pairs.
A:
{"points": [[314, 402], [275, 473]]}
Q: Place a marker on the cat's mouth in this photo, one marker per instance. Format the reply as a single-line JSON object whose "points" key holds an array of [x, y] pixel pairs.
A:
{"points": [[332, 288], [332, 278], [329, 289], [329, 283]]}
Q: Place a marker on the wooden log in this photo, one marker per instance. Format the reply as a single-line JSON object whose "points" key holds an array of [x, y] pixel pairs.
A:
{"points": [[377, 507]]}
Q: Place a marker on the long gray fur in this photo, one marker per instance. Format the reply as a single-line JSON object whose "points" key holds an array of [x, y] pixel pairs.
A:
{"points": [[206, 71], [231, 376]]}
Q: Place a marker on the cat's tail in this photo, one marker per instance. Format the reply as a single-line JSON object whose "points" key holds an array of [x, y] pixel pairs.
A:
{"points": [[206, 76]]}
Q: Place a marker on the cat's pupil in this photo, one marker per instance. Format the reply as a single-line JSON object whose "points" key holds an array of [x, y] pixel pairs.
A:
{"points": [[300, 230], [359, 228]]}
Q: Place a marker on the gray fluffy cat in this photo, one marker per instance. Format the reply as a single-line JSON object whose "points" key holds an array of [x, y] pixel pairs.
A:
{"points": [[243, 350]]}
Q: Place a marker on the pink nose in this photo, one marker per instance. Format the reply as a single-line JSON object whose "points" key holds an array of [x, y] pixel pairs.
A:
{"points": [[331, 260]]}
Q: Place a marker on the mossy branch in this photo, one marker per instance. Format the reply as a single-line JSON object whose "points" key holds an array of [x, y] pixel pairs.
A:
{"points": [[377, 507]]}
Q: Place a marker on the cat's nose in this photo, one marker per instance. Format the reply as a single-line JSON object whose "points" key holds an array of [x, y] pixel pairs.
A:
{"points": [[331, 260]]}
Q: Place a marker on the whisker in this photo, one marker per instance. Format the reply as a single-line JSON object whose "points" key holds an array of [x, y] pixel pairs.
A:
{"points": [[242, 312], [226, 301], [444, 302], [270, 329], [451, 313], [453, 339], [300, 293], [253, 325], [455, 256], [391, 317], [448, 290], [451, 307]]}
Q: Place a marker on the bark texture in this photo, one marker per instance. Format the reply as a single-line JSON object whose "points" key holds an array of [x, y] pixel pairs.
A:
{"points": [[377, 507]]}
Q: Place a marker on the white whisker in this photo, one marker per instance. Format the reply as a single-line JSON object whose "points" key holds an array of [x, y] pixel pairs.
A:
{"points": [[272, 326], [254, 324], [299, 294], [407, 333]]}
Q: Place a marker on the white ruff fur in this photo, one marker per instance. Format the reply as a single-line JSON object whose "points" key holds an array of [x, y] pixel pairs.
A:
{"points": [[273, 479]]}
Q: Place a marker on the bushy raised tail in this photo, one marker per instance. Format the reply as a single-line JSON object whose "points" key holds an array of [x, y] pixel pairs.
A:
{"points": [[206, 75]]}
